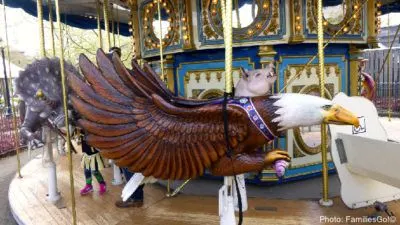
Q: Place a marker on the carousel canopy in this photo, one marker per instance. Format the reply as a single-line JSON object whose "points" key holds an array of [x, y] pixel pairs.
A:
{"points": [[78, 13]]}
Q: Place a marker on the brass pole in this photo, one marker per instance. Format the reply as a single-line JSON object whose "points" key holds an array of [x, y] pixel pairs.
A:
{"points": [[64, 91], [227, 18], [161, 42], [118, 31], [15, 127], [388, 70], [112, 24], [106, 23], [324, 152], [53, 45], [42, 49], [99, 23]]}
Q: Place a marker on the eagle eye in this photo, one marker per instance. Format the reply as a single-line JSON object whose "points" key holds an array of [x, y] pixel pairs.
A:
{"points": [[327, 107]]}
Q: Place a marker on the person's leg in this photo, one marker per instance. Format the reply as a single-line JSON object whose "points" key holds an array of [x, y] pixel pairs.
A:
{"points": [[100, 179], [138, 195], [88, 187], [136, 199], [127, 174]]}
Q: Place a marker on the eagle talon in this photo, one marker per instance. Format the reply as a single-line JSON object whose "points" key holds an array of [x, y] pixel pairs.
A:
{"points": [[274, 155]]}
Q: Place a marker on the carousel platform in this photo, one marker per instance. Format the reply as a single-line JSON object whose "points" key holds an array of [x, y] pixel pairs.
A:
{"points": [[27, 198]]}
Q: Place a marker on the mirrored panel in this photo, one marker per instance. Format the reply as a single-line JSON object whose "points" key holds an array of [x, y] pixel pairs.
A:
{"points": [[165, 24], [334, 11], [244, 12]]}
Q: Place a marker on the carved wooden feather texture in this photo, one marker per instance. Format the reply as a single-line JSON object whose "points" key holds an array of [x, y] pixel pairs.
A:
{"points": [[132, 118]]}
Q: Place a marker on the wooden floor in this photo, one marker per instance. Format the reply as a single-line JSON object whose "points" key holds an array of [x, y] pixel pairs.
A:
{"points": [[27, 198]]}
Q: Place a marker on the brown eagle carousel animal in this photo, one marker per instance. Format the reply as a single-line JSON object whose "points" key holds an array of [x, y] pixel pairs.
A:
{"points": [[132, 118]]}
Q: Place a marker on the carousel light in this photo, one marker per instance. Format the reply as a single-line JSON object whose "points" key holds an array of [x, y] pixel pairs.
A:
{"points": [[184, 28], [164, 4], [379, 13], [168, 10], [154, 45], [298, 27], [169, 28], [145, 19], [130, 22], [345, 29], [250, 31], [355, 16], [265, 5], [185, 37], [155, 1], [163, 43], [184, 19], [379, 4], [151, 5], [147, 10], [170, 19], [215, 2], [297, 18], [149, 41], [145, 27], [325, 23], [355, 7], [167, 36], [258, 25], [130, 30]]}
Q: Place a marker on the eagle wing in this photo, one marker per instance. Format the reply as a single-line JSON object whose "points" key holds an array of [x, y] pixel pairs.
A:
{"points": [[135, 124]]}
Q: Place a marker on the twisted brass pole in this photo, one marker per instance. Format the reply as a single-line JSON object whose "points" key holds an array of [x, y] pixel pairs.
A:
{"points": [[42, 49], [106, 24], [161, 42], [324, 154], [99, 24], [53, 45], [65, 103]]}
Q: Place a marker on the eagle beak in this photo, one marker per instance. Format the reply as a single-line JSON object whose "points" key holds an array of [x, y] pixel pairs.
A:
{"points": [[341, 116]]}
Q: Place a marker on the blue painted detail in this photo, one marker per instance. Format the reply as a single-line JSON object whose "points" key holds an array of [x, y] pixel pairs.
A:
{"points": [[327, 36], [282, 30], [306, 169]]}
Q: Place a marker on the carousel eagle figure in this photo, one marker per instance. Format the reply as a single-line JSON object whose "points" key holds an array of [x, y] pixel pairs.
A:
{"points": [[132, 118]]}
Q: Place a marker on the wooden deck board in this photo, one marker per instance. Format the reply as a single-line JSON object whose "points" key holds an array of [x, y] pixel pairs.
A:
{"points": [[28, 201]]}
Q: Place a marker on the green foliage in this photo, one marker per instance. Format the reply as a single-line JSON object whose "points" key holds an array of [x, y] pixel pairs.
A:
{"points": [[78, 41]]}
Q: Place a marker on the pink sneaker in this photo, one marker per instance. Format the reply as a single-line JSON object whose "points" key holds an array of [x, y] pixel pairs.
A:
{"points": [[103, 188], [87, 189]]}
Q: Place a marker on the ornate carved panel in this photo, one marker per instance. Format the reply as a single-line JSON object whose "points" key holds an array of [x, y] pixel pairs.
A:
{"points": [[253, 20], [207, 83], [175, 30]]}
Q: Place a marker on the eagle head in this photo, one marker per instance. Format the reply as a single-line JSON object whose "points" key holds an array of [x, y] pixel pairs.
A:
{"points": [[296, 110]]}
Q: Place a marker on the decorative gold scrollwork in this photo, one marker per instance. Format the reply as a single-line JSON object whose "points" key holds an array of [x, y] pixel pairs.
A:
{"points": [[251, 18], [150, 24]]}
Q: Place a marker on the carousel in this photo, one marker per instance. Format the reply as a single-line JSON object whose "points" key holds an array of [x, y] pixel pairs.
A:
{"points": [[221, 95]]}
